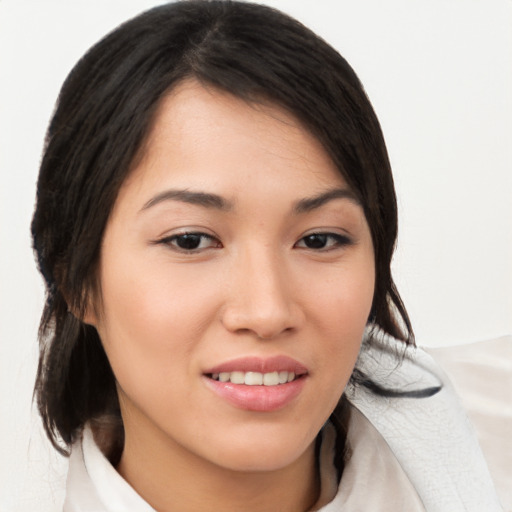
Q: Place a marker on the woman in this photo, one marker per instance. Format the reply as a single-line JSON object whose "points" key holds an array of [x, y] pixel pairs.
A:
{"points": [[215, 222]]}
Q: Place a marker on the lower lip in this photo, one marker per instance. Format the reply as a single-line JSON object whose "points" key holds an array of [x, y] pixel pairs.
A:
{"points": [[257, 398]]}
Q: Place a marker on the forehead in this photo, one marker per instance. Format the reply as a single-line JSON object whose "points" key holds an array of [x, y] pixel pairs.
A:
{"points": [[204, 138]]}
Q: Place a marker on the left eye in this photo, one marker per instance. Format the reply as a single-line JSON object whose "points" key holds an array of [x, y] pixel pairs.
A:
{"points": [[323, 241], [190, 242]]}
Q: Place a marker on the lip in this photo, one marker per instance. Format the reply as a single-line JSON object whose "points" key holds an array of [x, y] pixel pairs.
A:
{"points": [[258, 398], [260, 364]]}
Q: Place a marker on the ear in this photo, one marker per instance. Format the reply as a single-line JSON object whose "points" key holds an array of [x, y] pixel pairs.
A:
{"points": [[86, 312], [90, 316]]}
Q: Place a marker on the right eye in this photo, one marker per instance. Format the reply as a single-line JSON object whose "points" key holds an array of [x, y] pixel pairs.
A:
{"points": [[191, 242]]}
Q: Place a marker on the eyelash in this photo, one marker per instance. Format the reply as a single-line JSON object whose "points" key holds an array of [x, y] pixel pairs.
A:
{"points": [[192, 236], [328, 241], [337, 239]]}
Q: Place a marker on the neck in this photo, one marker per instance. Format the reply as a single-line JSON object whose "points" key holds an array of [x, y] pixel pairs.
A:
{"points": [[170, 479]]}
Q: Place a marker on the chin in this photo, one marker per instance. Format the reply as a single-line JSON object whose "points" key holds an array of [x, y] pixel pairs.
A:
{"points": [[263, 453]]}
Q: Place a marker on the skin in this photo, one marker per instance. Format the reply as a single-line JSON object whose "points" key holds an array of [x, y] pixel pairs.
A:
{"points": [[254, 286]]}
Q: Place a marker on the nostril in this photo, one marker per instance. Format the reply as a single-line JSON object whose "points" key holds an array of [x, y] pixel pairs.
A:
{"points": [[261, 315], [268, 336]]}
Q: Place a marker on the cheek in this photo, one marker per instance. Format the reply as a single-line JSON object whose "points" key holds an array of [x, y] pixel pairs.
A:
{"points": [[342, 309], [343, 299], [151, 321], [145, 295]]}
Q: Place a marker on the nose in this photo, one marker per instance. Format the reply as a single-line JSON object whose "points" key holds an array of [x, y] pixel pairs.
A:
{"points": [[261, 300]]}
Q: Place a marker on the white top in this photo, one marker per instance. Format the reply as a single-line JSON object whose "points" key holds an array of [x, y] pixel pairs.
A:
{"points": [[372, 480], [407, 454]]}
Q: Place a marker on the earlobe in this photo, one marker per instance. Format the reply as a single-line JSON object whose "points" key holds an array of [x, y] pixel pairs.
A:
{"points": [[85, 312], [89, 316], [90, 309]]}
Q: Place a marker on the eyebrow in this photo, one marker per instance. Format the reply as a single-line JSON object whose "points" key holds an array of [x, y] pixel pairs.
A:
{"points": [[204, 199], [209, 200], [312, 203]]}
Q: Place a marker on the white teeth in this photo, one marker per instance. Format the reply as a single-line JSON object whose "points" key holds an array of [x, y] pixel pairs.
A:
{"points": [[255, 378], [271, 379], [237, 377]]}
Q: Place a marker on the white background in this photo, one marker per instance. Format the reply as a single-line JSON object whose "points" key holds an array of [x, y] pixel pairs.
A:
{"points": [[439, 74]]}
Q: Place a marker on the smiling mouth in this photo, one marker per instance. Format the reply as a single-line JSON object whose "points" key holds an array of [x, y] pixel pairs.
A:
{"points": [[258, 384], [255, 378]]}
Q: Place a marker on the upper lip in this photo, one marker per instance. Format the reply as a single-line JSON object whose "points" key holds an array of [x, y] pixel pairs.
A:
{"points": [[260, 364]]}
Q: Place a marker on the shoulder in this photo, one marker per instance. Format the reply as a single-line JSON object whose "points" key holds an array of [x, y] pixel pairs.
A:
{"points": [[423, 422]]}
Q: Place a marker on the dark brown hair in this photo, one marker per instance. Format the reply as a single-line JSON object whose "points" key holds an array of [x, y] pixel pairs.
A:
{"points": [[103, 115]]}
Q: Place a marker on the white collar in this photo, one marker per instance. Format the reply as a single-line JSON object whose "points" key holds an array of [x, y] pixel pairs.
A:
{"points": [[372, 477]]}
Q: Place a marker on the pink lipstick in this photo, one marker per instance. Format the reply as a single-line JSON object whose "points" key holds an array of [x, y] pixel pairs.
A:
{"points": [[257, 384]]}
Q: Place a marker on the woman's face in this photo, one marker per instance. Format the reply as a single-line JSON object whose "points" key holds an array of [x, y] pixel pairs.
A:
{"points": [[237, 276]]}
